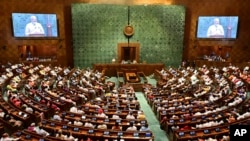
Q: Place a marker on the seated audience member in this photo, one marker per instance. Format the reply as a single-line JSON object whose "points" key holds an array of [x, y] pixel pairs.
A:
{"points": [[16, 101], [201, 139], [144, 127], [117, 127], [37, 98], [27, 109], [71, 138], [225, 138], [141, 115], [77, 122], [53, 106], [6, 137], [32, 127], [61, 135], [67, 99], [15, 122], [114, 116], [102, 126], [88, 139], [89, 125], [130, 116], [57, 116], [131, 127], [135, 100], [73, 109], [39, 130], [101, 113], [2, 113], [231, 119]]}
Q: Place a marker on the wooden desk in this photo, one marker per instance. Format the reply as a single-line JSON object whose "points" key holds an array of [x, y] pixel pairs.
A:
{"points": [[218, 64], [132, 78], [111, 69]]}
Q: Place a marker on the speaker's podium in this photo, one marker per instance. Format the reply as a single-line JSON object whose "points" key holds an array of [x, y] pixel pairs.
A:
{"points": [[216, 36], [36, 35]]}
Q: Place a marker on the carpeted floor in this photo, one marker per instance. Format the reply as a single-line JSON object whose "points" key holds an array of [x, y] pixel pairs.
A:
{"points": [[159, 135]]}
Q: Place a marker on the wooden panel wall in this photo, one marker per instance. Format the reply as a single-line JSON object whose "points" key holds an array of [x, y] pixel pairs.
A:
{"points": [[240, 47]]}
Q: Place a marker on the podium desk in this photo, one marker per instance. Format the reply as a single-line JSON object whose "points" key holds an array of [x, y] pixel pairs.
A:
{"points": [[112, 68]]}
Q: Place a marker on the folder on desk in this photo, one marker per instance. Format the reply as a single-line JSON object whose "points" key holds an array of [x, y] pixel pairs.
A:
{"points": [[171, 121], [18, 134], [181, 134], [27, 136], [106, 120], [136, 134], [120, 133], [206, 131], [148, 134], [106, 133], [64, 127], [91, 131], [52, 124], [76, 129], [118, 120], [192, 133], [181, 120], [217, 129], [44, 122]]}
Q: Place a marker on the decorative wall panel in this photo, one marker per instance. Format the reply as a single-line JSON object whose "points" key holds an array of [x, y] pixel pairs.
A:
{"points": [[97, 29]]}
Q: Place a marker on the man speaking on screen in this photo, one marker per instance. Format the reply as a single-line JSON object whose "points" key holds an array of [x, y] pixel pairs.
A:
{"points": [[34, 29], [216, 30]]}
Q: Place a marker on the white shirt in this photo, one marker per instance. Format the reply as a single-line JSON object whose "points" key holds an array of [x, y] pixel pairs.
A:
{"points": [[215, 30], [34, 28], [9, 139], [133, 128], [130, 117]]}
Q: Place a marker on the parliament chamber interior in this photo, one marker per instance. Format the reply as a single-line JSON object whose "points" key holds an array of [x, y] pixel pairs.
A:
{"points": [[128, 70]]}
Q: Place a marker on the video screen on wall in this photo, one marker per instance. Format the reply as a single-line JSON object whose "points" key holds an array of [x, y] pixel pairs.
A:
{"points": [[34, 25], [217, 27]]}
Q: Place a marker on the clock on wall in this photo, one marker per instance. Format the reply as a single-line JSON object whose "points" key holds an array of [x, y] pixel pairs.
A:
{"points": [[128, 31]]}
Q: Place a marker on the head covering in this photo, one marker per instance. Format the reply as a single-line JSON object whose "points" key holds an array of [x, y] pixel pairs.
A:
{"points": [[100, 111]]}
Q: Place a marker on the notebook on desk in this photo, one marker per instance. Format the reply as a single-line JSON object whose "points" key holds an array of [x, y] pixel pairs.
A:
{"points": [[28, 137], [192, 133], [118, 120], [18, 134], [52, 124], [106, 133], [64, 127], [148, 134], [136, 134], [171, 121], [44, 122], [217, 129], [120, 133], [106, 120], [91, 131], [206, 131], [181, 134], [76, 129], [94, 118]]}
